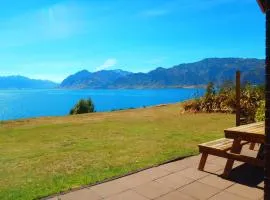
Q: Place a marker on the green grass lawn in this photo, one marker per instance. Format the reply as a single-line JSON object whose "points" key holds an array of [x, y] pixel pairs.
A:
{"points": [[44, 156]]}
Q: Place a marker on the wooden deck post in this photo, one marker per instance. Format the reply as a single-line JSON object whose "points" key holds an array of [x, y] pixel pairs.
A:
{"points": [[267, 107], [238, 92]]}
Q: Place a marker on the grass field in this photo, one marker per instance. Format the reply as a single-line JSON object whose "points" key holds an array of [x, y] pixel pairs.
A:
{"points": [[44, 156]]}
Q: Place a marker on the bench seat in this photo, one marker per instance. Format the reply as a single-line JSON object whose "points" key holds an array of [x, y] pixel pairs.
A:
{"points": [[218, 147]]}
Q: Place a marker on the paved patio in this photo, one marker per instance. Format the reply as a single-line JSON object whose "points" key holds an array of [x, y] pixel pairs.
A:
{"points": [[180, 180]]}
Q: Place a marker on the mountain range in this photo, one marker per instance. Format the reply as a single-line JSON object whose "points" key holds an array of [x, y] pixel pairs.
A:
{"points": [[100, 79], [21, 82], [199, 73], [195, 74]]}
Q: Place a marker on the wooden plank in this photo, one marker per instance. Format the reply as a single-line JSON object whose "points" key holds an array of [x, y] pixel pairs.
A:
{"points": [[256, 138], [247, 129], [236, 148], [235, 156], [238, 92], [247, 126], [203, 161], [245, 159], [218, 141], [222, 144], [251, 132]]}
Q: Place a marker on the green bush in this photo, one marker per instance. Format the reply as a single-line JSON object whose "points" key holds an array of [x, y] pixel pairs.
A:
{"points": [[251, 96], [209, 98], [224, 100], [260, 114], [83, 106]]}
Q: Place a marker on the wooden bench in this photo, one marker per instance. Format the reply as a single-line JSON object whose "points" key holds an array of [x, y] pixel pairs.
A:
{"points": [[220, 147]]}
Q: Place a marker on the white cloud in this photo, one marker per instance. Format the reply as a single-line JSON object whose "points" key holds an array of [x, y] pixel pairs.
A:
{"points": [[58, 21], [107, 64]]}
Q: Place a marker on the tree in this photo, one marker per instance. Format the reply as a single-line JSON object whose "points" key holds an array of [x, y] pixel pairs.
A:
{"points": [[83, 106], [210, 90], [209, 97]]}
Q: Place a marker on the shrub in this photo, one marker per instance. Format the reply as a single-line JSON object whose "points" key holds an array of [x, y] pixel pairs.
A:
{"points": [[224, 100], [260, 114], [251, 96], [209, 98], [83, 106], [193, 105]]}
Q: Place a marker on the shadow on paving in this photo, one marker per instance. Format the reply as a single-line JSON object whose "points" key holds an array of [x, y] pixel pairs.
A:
{"points": [[248, 175]]}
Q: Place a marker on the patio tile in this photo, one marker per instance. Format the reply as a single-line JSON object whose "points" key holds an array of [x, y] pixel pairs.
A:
{"points": [[219, 172], [245, 191], [218, 161], [176, 195], [212, 168], [175, 166], [192, 173], [250, 152], [226, 196], [261, 185], [175, 180], [153, 189], [109, 188], [193, 160], [237, 163], [155, 172], [84, 194], [212, 157], [199, 190], [135, 180], [128, 195], [216, 181]]}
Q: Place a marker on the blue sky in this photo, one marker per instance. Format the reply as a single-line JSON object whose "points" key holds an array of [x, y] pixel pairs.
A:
{"points": [[51, 39]]}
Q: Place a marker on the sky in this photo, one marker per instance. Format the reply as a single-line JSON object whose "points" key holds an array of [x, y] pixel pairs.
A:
{"points": [[51, 39]]}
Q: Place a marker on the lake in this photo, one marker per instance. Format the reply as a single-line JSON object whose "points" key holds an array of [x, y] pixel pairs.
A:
{"points": [[16, 104]]}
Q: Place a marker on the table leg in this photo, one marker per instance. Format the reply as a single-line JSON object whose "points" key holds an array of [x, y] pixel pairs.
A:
{"points": [[260, 154], [236, 148], [252, 146]]}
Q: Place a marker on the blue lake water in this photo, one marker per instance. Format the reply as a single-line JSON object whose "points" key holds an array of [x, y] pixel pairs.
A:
{"points": [[16, 104]]}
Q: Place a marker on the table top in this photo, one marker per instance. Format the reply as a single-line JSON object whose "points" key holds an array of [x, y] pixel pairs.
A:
{"points": [[251, 132]]}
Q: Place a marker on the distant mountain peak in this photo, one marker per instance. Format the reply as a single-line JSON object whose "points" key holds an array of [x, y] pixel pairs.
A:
{"points": [[200, 73], [22, 82], [160, 69], [84, 71], [98, 79]]}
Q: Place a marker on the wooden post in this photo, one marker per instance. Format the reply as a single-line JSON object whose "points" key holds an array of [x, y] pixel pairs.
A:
{"points": [[267, 108], [238, 93]]}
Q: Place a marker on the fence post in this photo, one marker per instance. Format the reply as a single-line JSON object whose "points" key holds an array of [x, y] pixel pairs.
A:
{"points": [[238, 93]]}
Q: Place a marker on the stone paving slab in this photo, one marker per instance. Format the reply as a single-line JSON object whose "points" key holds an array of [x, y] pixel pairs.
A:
{"points": [[200, 190], [128, 195], [175, 180], [245, 191], [153, 189], [226, 196], [179, 180]]}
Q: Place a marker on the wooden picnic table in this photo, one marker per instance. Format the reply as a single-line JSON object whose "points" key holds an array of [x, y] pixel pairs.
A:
{"points": [[253, 133]]}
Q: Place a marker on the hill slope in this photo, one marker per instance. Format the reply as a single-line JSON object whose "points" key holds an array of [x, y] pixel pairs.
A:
{"points": [[86, 79], [216, 70], [21, 82]]}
